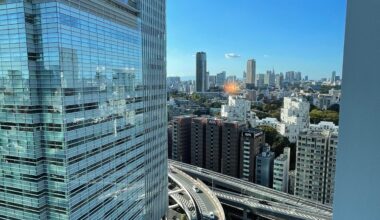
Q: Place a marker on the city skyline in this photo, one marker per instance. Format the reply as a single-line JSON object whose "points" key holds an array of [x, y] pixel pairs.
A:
{"points": [[293, 36]]}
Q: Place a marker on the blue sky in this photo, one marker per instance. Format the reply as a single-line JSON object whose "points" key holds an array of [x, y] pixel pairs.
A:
{"points": [[300, 35]]}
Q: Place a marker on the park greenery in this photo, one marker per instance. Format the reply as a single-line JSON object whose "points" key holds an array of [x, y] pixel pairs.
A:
{"points": [[278, 143]]}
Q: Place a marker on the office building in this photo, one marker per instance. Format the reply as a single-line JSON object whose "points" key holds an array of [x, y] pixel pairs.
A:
{"points": [[281, 171], [294, 117], [290, 76], [220, 79], [87, 146], [264, 167], [251, 72], [181, 143], [251, 140], [201, 72], [213, 144], [230, 147], [315, 165], [198, 141]]}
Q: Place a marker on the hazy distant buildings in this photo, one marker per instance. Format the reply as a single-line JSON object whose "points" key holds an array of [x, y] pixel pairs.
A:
{"points": [[264, 167], [212, 81], [201, 72], [281, 171], [260, 80], [181, 142], [221, 79], [251, 72], [251, 140], [270, 78], [315, 165], [230, 147], [279, 80]]}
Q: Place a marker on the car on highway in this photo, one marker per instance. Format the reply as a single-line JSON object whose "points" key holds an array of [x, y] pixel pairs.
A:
{"points": [[264, 202], [211, 215], [196, 189]]}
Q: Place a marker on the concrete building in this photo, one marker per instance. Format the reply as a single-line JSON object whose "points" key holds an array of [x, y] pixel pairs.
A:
{"points": [[270, 78], [231, 147], [238, 109], [251, 72], [292, 182], [315, 165], [251, 140], [281, 171], [198, 141], [294, 117], [264, 167], [271, 122], [181, 143], [213, 144], [201, 72], [83, 121]]}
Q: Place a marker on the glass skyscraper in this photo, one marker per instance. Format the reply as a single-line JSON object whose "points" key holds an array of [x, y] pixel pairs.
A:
{"points": [[82, 109]]}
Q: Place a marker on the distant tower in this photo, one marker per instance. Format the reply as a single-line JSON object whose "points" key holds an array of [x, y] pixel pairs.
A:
{"points": [[333, 76], [201, 72], [251, 72]]}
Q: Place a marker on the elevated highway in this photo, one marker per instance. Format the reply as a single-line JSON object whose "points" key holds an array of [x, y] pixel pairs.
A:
{"points": [[256, 198], [200, 202]]}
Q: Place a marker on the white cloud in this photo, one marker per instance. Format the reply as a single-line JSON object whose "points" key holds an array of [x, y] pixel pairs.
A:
{"points": [[266, 56], [231, 55]]}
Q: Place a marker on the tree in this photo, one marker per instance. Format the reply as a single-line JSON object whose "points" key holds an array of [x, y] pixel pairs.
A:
{"points": [[334, 107], [278, 143]]}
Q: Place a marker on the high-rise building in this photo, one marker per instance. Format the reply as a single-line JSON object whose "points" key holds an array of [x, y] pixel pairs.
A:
{"points": [[221, 79], [198, 141], [298, 76], [251, 141], [264, 167], [81, 139], [333, 76], [201, 72], [281, 171], [294, 117], [315, 165], [213, 144], [153, 41], [181, 143], [230, 147], [251, 72]]}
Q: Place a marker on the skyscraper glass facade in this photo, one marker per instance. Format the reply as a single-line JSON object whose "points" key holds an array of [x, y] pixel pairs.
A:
{"points": [[76, 139]]}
